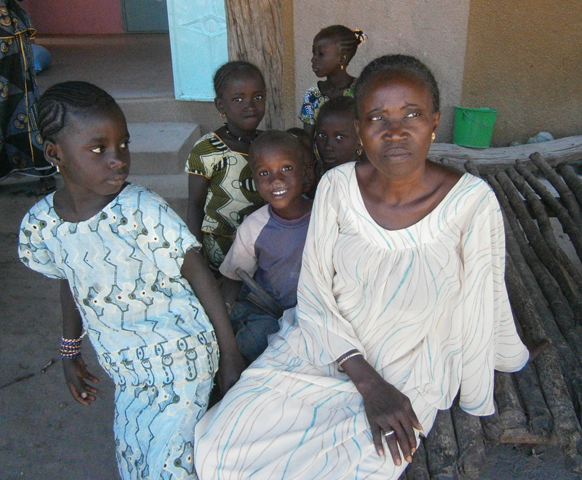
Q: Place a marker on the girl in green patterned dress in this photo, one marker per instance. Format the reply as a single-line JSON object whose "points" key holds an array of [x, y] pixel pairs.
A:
{"points": [[221, 191]]}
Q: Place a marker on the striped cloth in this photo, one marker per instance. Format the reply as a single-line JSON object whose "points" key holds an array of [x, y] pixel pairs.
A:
{"points": [[427, 306]]}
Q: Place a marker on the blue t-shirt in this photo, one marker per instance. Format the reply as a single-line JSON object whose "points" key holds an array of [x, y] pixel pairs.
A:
{"points": [[269, 248]]}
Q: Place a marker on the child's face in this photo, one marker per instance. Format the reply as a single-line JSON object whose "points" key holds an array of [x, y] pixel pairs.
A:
{"points": [[92, 152], [326, 57], [279, 173], [243, 102], [336, 139]]}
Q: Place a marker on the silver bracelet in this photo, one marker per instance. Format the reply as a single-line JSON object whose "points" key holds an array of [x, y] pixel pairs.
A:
{"points": [[351, 355]]}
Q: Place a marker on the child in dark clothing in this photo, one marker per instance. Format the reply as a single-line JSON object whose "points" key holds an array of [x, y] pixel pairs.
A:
{"points": [[335, 135], [269, 243], [309, 183]]}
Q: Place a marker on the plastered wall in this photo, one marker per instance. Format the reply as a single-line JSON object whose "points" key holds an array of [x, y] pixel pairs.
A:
{"points": [[524, 58], [435, 32], [288, 63], [75, 16]]}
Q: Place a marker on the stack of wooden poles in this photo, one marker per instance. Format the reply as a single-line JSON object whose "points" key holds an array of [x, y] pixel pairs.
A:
{"points": [[543, 402]]}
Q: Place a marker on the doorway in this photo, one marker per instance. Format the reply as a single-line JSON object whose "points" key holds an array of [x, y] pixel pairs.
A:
{"points": [[145, 16]]}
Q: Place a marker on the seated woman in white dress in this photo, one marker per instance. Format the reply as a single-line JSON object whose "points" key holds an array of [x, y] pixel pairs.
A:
{"points": [[401, 305]]}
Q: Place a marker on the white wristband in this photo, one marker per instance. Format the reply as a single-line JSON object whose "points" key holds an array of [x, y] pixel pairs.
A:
{"points": [[351, 355]]}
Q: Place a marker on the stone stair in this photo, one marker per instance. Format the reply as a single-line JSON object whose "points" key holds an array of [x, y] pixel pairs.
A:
{"points": [[158, 154], [161, 148], [136, 70]]}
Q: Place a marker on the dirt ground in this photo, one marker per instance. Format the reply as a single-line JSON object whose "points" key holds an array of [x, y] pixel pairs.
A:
{"points": [[45, 434]]}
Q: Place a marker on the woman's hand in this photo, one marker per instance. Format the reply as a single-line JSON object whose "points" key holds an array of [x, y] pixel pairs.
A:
{"points": [[389, 411], [75, 375], [229, 370]]}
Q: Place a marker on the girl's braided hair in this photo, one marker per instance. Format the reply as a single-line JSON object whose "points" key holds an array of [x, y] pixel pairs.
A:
{"points": [[398, 62], [230, 69], [68, 97], [348, 40]]}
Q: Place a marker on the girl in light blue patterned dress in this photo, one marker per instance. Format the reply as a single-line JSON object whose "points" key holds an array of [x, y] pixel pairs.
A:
{"points": [[132, 278]]}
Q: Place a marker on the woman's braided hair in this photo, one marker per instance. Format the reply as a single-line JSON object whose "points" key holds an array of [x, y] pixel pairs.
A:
{"points": [[231, 69], [69, 97], [398, 62], [348, 40]]}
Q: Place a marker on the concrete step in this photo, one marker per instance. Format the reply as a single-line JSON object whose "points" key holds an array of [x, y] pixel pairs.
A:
{"points": [[161, 148], [144, 108], [173, 188], [168, 186]]}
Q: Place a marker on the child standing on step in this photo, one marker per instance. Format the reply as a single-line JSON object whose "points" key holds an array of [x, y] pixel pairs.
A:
{"points": [[269, 244], [333, 48], [133, 280], [221, 192]]}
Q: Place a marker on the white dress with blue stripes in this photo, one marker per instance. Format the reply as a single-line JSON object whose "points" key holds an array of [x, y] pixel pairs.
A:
{"points": [[426, 305]]}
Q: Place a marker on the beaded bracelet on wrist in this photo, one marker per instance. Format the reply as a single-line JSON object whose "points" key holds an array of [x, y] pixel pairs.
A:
{"points": [[71, 347]]}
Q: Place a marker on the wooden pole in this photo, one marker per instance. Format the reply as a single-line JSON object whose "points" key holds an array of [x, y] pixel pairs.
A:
{"points": [[492, 428], [566, 194], [510, 410], [552, 381], [539, 419], [568, 224], [546, 230], [472, 169], [418, 469], [557, 397], [492, 160], [441, 447], [572, 180], [541, 326], [255, 34], [470, 441], [556, 296]]}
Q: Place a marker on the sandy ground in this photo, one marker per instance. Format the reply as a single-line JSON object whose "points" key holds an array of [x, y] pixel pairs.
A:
{"points": [[45, 434]]}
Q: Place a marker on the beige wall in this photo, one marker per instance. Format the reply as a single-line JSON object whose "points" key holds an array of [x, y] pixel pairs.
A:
{"points": [[288, 62], [524, 58], [435, 32]]}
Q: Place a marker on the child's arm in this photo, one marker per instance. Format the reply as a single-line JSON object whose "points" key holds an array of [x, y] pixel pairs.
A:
{"points": [[197, 191], [75, 369], [206, 289]]}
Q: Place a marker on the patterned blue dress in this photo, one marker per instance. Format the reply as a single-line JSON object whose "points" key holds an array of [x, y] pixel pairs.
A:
{"points": [[150, 332], [313, 100]]}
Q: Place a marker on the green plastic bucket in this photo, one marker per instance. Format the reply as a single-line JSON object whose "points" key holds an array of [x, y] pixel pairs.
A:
{"points": [[474, 126]]}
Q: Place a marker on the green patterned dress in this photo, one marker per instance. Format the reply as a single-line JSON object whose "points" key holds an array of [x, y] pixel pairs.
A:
{"points": [[231, 197]]}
